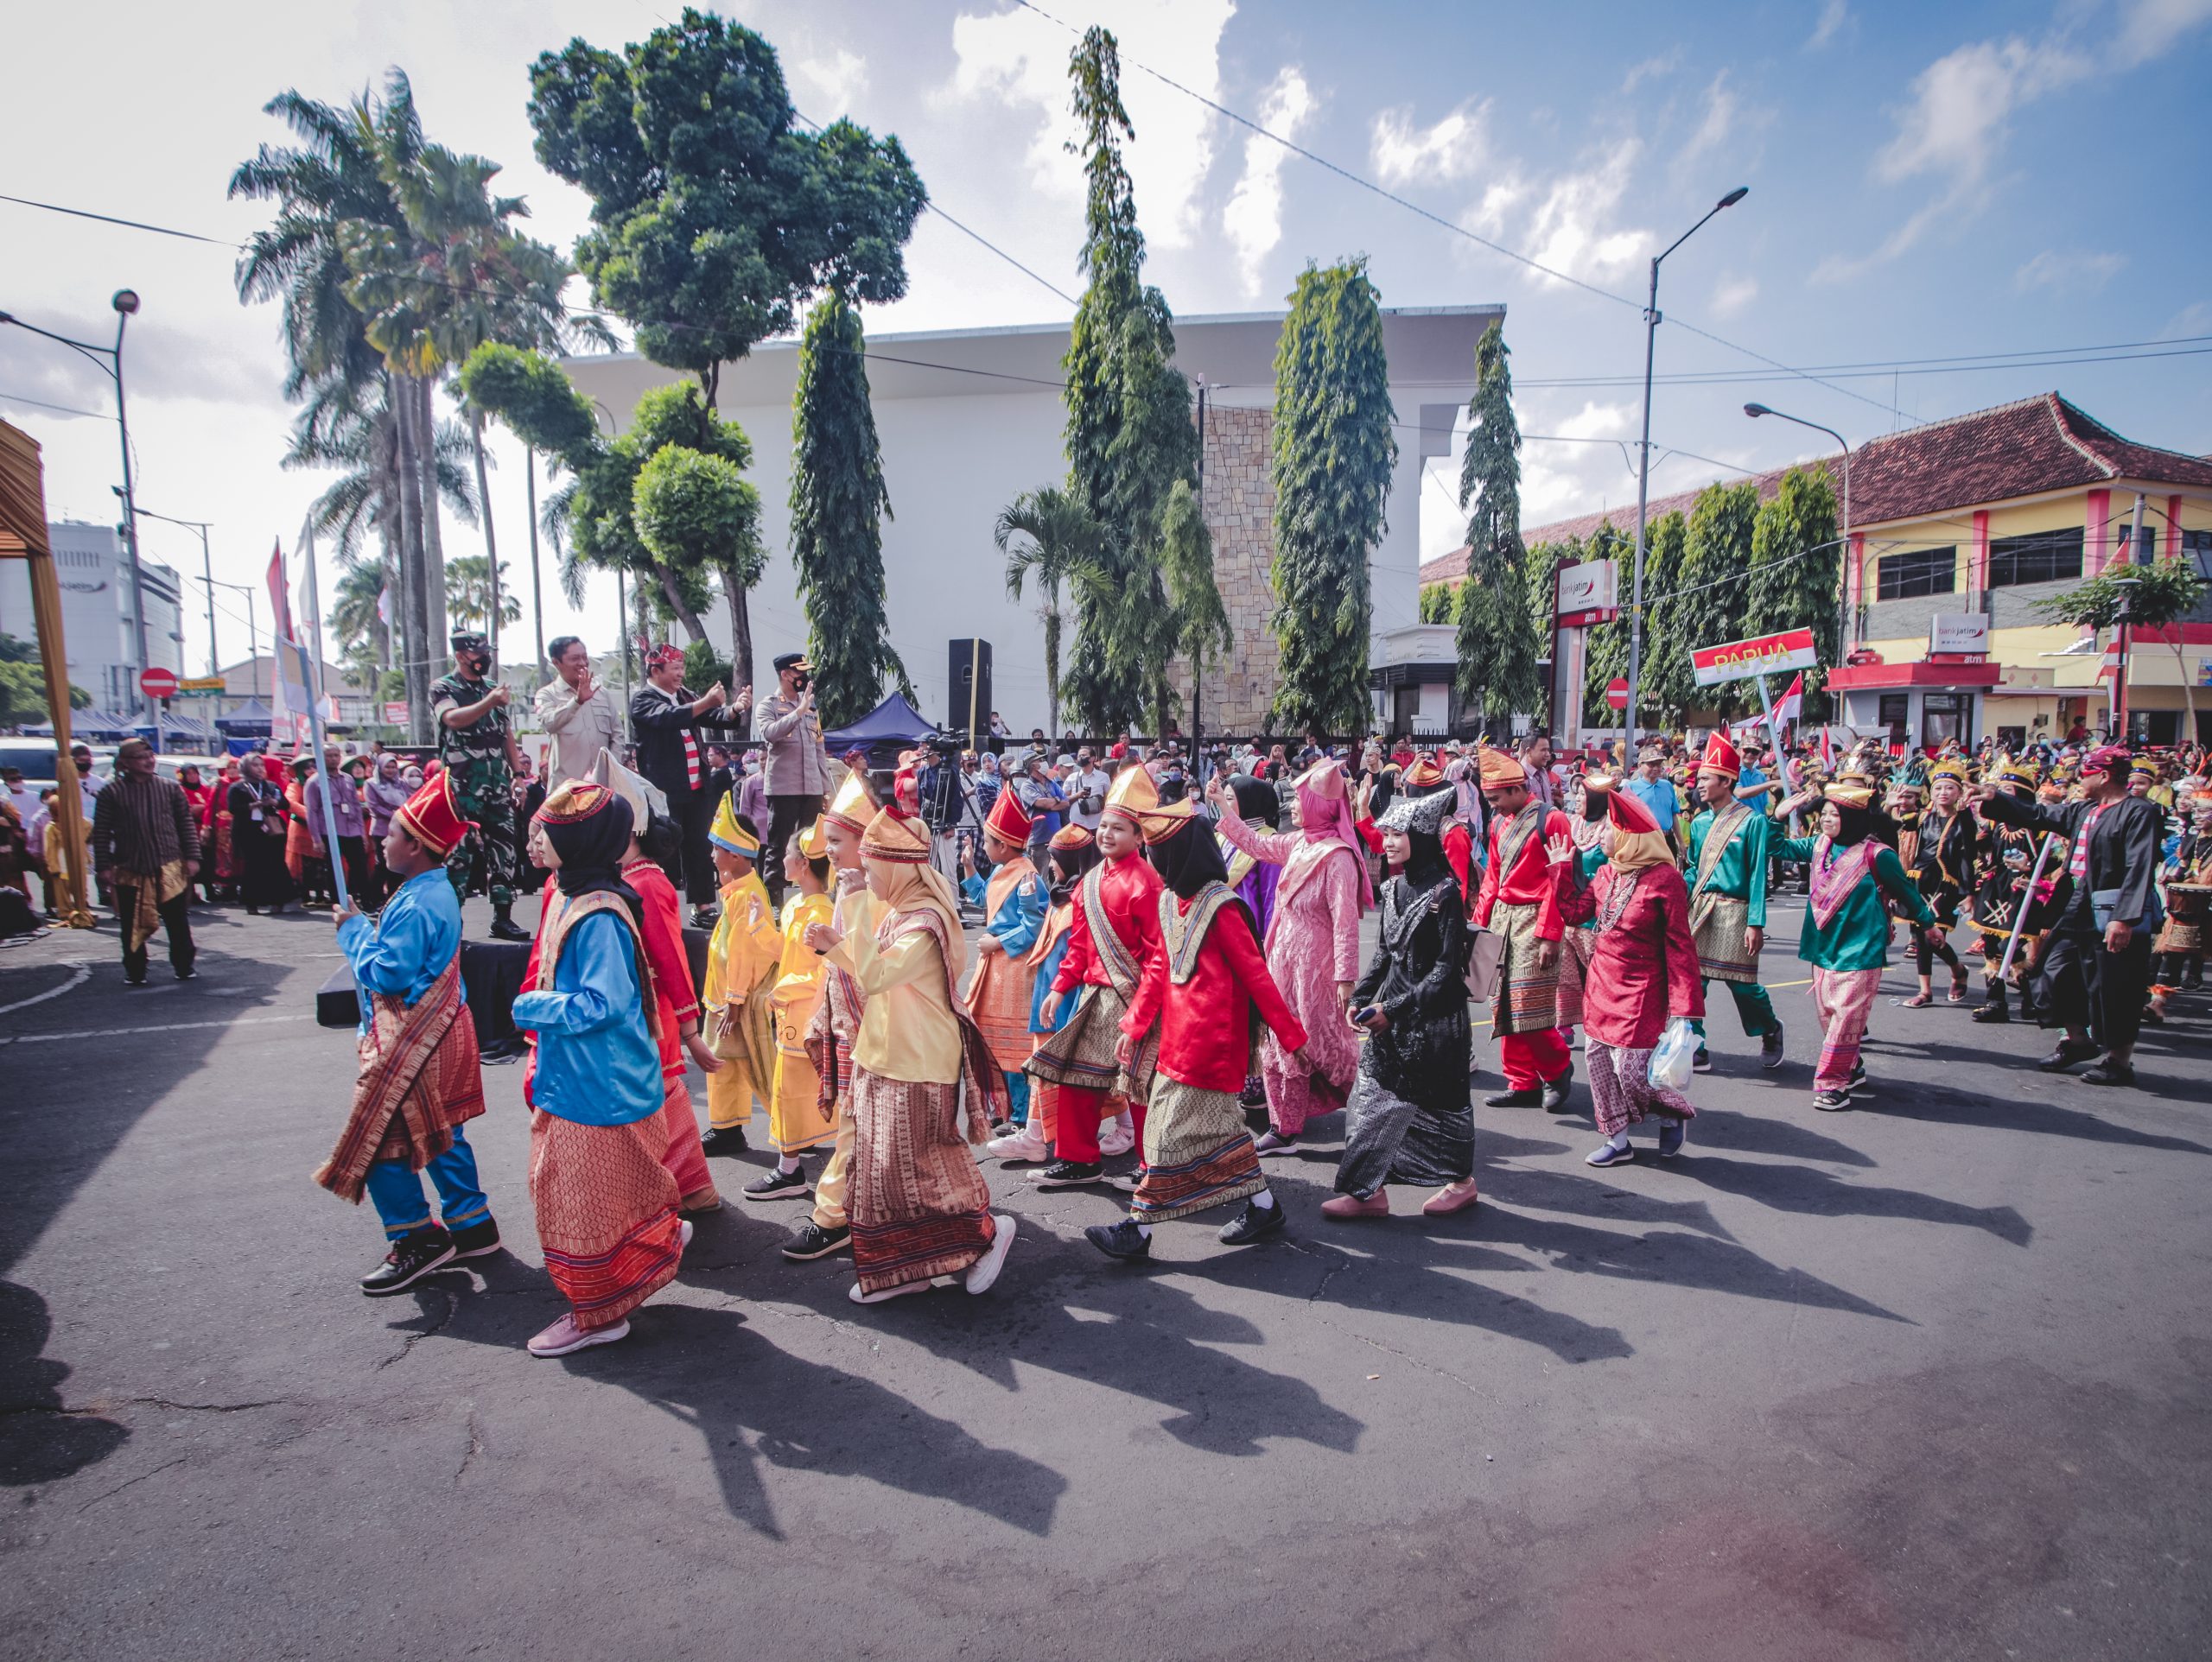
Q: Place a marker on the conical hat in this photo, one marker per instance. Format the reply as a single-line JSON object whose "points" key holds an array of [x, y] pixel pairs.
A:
{"points": [[852, 806], [727, 833], [896, 835], [1132, 794]]}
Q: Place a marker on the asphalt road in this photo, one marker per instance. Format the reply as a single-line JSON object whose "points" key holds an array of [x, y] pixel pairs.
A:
{"points": [[1925, 1380]]}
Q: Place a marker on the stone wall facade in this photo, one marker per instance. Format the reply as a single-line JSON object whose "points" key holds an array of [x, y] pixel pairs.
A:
{"points": [[1240, 512]]}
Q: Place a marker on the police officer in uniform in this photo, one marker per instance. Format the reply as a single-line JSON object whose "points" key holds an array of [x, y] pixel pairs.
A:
{"points": [[476, 744]]}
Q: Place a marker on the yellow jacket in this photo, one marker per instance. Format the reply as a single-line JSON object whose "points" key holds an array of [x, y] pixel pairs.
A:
{"points": [[908, 1031], [799, 979], [742, 954]]}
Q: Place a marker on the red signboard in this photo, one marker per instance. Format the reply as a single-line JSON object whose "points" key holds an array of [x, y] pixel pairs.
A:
{"points": [[1616, 693], [1763, 655], [157, 682]]}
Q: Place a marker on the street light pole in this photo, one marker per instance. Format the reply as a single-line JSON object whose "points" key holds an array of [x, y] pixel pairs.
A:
{"points": [[1844, 631], [1644, 466], [125, 302], [207, 579]]}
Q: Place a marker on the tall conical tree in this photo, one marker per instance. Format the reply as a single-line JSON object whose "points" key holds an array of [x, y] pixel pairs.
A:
{"points": [[838, 504], [1130, 438], [1796, 572], [1498, 648], [1334, 451]]}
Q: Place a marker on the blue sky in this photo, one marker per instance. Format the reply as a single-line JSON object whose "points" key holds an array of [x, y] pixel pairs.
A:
{"points": [[1925, 180]]}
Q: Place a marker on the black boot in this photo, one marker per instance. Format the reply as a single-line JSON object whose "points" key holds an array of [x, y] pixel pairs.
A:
{"points": [[1996, 1008], [1556, 1091], [504, 928]]}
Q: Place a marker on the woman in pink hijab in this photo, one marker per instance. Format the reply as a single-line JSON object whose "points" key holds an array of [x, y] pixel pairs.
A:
{"points": [[1313, 945]]}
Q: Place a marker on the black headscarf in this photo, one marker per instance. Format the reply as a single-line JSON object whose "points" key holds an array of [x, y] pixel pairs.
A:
{"points": [[1425, 866], [1189, 860], [1256, 799], [1857, 824], [591, 851]]}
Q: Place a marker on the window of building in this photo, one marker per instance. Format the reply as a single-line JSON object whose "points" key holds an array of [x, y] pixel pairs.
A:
{"points": [[2125, 554], [2043, 557], [1896, 711], [1945, 716], [1915, 572], [2197, 549]]}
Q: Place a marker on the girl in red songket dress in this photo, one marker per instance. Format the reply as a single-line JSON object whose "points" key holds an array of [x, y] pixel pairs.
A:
{"points": [[607, 1206], [1313, 945], [198, 797], [1196, 1151], [1643, 970]]}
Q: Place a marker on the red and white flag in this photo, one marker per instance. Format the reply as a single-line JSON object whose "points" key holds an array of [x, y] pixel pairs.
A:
{"points": [[1791, 705]]}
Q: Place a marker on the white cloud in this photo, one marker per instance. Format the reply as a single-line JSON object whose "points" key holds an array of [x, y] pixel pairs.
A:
{"points": [[1571, 229], [831, 83], [1733, 295], [1020, 59], [1253, 219], [2068, 271], [1834, 15], [1720, 108], [1453, 148], [1652, 68], [1560, 479], [2149, 26]]}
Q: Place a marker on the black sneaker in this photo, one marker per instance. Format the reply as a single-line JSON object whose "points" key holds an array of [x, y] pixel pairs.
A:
{"points": [[411, 1258], [1122, 1240], [702, 918], [778, 1186], [476, 1240], [1532, 1097], [1703, 1062], [813, 1241], [1254, 1222], [2108, 1072], [505, 928], [1070, 1174], [728, 1139], [1770, 1050], [1556, 1091], [187, 974], [1995, 1010], [134, 980]]}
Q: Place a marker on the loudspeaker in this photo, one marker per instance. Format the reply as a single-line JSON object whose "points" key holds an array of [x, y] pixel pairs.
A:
{"points": [[968, 687]]}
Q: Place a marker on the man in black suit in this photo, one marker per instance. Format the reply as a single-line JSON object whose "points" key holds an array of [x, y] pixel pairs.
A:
{"points": [[666, 722], [2097, 972]]}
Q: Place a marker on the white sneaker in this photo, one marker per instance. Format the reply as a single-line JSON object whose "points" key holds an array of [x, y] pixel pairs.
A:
{"points": [[564, 1337], [1117, 1136], [889, 1293], [1026, 1144], [685, 1239], [985, 1270]]}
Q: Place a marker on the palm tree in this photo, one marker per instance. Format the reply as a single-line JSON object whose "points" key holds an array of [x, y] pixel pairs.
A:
{"points": [[1059, 544], [472, 589]]}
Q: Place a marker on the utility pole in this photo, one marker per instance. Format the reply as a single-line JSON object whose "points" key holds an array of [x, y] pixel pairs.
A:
{"points": [[1198, 667], [537, 579]]}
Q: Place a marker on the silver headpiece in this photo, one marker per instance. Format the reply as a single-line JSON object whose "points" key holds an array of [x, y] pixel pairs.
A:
{"points": [[1422, 816]]}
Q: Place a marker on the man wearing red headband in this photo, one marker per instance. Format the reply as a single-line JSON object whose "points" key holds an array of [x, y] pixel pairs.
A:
{"points": [[672, 752], [2097, 972]]}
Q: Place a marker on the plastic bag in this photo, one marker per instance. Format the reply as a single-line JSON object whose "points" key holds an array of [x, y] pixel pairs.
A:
{"points": [[1674, 1054]]}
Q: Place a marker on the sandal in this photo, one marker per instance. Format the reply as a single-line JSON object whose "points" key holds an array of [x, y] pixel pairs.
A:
{"points": [[1917, 1001], [1958, 991]]}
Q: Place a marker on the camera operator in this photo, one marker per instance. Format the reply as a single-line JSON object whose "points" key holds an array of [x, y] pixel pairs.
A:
{"points": [[796, 767], [948, 806]]}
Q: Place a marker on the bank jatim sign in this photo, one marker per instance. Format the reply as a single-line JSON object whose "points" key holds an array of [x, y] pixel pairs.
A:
{"points": [[1763, 655]]}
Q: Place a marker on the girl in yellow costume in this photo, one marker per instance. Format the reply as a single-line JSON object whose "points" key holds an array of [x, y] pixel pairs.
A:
{"points": [[740, 968], [797, 1118]]}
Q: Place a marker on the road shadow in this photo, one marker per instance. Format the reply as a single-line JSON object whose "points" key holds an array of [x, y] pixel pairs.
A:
{"points": [[42, 1438], [755, 1406], [1819, 1194], [1785, 1140], [1588, 1196], [1952, 1106]]}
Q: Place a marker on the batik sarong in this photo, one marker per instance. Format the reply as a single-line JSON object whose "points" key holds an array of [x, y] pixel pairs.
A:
{"points": [[919, 1204], [1391, 1139], [1842, 998], [1081, 1053], [1528, 994], [1718, 922], [1621, 1091], [1197, 1153], [420, 1077], [998, 1002], [606, 1212]]}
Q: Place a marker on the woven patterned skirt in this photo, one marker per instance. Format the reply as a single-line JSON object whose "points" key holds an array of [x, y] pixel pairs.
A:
{"points": [[1081, 1053], [1528, 996], [998, 1000], [1197, 1153], [919, 1207], [606, 1214], [1718, 939]]}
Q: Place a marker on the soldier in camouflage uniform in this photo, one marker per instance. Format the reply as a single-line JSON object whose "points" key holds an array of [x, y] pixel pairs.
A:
{"points": [[476, 744]]}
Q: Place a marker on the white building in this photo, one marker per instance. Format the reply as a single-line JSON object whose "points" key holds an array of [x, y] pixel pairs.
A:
{"points": [[968, 419], [99, 627]]}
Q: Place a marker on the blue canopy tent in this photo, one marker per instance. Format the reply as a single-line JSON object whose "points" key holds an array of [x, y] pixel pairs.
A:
{"points": [[89, 726], [890, 727], [249, 720]]}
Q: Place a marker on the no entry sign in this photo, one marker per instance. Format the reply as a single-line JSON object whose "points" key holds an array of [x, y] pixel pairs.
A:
{"points": [[1616, 693], [1763, 655], [157, 682]]}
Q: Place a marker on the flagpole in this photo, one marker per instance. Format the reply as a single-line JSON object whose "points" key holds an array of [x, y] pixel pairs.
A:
{"points": [[315, 727]]}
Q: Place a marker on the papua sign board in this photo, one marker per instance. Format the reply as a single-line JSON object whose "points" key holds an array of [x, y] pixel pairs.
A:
{"points": [[1763, 655]]}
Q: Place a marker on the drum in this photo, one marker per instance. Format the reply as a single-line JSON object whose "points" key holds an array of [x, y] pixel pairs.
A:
{"points": [[2192, 900]]}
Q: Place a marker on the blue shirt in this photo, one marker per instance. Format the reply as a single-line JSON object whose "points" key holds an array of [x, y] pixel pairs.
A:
{"points": [[1751, 775], [596, 1064], [410, 943], [1020, 920], [1658, 795]]}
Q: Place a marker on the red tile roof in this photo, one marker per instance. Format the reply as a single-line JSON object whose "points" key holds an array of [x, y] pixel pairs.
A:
{"points": [[2019, 449]]}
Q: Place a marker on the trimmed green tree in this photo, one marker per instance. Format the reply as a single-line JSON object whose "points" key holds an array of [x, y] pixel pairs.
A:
{"points": [[1334, 451], [1797, 573], [1496, 646], [2161, 595], [838, 506], [714, 217], [1130, 438]]}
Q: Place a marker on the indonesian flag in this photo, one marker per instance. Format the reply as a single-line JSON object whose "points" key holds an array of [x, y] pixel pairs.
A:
{"points": [[2109, 669], [1828, 750], [383, 605], [1792, 703], [280, 595]]}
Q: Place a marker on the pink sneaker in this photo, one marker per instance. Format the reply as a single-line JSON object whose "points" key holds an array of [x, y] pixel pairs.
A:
{"points": [[564, 1337], [1376, 1205], [1115, 1136], [1023, 1145], [1452, 1197]]}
